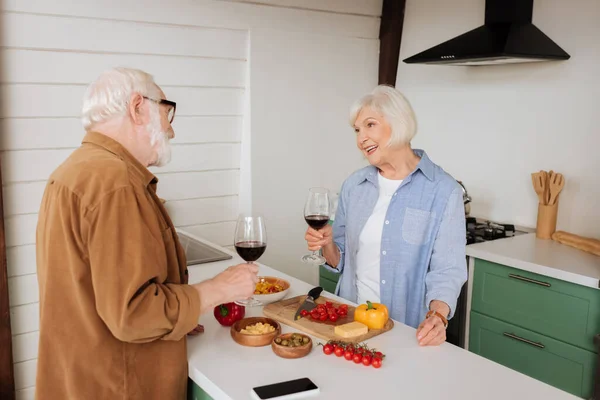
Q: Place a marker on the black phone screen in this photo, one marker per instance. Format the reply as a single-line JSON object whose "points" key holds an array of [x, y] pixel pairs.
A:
{"points": [[284, 388]]}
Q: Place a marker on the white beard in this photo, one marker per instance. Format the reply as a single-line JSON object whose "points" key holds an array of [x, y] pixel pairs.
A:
{"points": [[159, 140]]}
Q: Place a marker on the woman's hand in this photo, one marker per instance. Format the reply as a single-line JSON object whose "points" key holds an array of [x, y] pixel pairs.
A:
{"points": [[316, 240], [432, 332]]}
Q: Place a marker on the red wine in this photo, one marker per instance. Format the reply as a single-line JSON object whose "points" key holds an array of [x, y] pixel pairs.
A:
{"points": [[317, 221], [250, 250]]}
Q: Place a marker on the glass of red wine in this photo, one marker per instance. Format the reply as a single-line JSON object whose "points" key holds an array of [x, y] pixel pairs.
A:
{"points": [[316, 214], [250, 243]]}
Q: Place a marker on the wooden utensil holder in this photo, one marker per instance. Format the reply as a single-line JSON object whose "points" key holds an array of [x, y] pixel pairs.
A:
{"points": [[546, 220]]}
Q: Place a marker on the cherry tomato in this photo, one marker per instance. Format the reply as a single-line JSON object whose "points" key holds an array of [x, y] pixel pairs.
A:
{"points": [[342, 313], [376, 362], [333, 317], [304, 313], [328, 304], [348, 355], [339, 351], [357, 358], [378, 355], [366, 360], [321, 307], [343, 307], [328, 349], [323, 317]]}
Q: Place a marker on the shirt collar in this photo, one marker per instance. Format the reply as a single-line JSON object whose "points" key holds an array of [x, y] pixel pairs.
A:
{"points": [[425, 165], [117, 149]]}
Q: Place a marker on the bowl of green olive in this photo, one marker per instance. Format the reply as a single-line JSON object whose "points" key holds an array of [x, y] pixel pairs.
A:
{"points": [[292, 345]]}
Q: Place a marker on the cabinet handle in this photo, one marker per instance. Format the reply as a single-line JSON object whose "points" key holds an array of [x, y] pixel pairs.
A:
{"points": [[522, 278], [520, 339]]}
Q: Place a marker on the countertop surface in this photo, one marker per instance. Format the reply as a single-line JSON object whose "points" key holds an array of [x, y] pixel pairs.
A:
{"points": [[545, 257], [226, 370]]}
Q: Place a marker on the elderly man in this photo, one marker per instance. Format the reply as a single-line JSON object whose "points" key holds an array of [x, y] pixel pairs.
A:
{"points": [[115, 306]]}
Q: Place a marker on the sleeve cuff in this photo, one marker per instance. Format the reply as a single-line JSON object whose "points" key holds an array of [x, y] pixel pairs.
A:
{"points": [[446, 297], [189, 311]]}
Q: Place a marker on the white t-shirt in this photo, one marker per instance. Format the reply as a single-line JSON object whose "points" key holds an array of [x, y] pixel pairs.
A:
{"points": [[369, 244]]}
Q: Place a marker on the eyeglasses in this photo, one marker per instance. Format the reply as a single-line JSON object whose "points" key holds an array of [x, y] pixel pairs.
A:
{"points": [[171, 104]]}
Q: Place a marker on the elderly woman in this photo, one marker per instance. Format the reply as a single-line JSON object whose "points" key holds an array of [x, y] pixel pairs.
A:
{"points": [[399, 231]]}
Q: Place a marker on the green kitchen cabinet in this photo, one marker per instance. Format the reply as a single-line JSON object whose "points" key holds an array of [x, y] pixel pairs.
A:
{"points": [[549, 360], [540, 326], [328, 280], [195, 392], [551, 307]]}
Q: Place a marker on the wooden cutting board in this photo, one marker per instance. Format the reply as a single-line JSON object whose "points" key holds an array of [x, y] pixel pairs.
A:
{"points": [[283, 311]]}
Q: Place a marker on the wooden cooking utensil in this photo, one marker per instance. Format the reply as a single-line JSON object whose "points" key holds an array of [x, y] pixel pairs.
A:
{"points": [[536, 178], [550, 175], [556, 185], [544, 175]]}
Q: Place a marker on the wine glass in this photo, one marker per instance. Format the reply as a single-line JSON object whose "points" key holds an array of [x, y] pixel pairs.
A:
{"points": [[250, 243], [316, 214]]}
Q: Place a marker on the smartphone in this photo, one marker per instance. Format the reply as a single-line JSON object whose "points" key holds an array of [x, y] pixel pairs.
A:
{"points": [[294, 389]]}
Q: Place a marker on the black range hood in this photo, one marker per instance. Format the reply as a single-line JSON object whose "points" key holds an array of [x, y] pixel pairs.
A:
{"points": [[508, 36]]}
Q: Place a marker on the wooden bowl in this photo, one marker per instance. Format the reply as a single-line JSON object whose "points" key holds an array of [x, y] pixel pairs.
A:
{"points": [[246, 339], [291, 352], [272, 297]]}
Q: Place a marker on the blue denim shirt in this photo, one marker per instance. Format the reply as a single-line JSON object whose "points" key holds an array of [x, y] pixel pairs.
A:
{"points": [[423, 242]]}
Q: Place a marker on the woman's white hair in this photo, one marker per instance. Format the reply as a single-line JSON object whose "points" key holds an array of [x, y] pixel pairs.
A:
{"points": [[108, 96], [395, 108]]}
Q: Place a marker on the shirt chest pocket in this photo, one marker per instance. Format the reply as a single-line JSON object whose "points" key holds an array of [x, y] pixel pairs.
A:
{"points": [[416, 226]]}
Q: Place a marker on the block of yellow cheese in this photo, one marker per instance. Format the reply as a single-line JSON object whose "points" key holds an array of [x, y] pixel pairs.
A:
{"points": [[351, 329]]}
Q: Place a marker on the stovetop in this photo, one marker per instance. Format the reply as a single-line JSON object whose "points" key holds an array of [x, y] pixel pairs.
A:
{"points": [[483, 230]]}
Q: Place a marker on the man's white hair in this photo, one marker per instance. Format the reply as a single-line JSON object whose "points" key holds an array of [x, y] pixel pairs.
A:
{"points": [[394, 107], [108, 96]]}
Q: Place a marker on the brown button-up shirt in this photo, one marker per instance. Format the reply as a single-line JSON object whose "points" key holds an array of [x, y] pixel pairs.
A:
{"points": [[115, 306]]}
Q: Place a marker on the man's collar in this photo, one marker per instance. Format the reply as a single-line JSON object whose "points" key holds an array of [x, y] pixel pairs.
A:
{"points": [[117, 149]]}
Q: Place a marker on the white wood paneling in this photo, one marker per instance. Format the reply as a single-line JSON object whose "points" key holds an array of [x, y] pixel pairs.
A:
{"points": [[203, 211], [209, 13], [220, 233], [18, 166], [22, 66], [21, 260], [193, 185], [42, 133], [23, 290], [25, 346], [25, 318], [26, 394], [23, 198], [37, 100], [20, 229], [198, 157], [25, 373], [53, 32], [359, 7], [207, 129], [202, 157]]}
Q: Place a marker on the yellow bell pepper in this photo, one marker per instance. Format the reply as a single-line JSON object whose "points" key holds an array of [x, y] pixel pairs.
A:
{"points": [[373, 315]]}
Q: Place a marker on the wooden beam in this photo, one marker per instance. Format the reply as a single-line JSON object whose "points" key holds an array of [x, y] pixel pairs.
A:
{"points": [[7, 381], [390, 37]]}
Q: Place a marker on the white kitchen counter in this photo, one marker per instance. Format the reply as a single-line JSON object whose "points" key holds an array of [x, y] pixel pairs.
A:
{"points": [[545, 257], [226, 370]]}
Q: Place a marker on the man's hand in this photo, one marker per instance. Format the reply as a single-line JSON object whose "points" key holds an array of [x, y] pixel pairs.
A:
{"points": [[197, 330], [235, 283]]}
